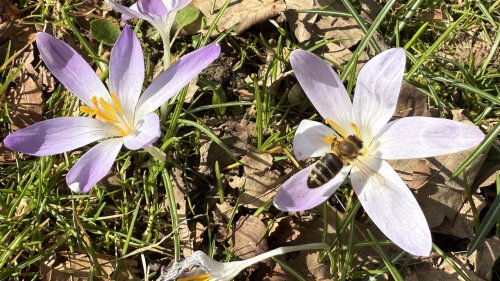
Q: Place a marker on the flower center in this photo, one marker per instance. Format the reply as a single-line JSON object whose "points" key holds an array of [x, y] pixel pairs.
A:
{"points": [[197, 277], [111, 113], [346, 147]]}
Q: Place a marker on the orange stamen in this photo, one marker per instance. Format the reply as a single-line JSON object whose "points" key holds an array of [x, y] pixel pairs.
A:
{"points": [[356, 130], [329, 139], [336, 127], [197, 277], [117, 103]]}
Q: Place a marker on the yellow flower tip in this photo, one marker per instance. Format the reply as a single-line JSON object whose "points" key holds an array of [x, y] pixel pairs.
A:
{"points": [[116, 103], [197, 277], [87, 110], [337, 128], [328, 139]]}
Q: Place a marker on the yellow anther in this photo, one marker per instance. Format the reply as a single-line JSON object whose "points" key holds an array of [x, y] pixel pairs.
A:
{"points": [[93, 99], [328, 139], [108, 107], [116, 103], [356, 130], [198, 277], [88, 110], [336, 127]]}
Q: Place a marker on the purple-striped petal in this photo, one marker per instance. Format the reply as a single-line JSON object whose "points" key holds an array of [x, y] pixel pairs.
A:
{"points": [[58, 135], [146, 133], [70, 68], [178, 75], [93, 165], [309, 140], [131, 12], [126, 70], [132, 7], [420, 137], [391, 205], [152, 8], [377, 91], [294, 195], [323, 87], [175, 5]]}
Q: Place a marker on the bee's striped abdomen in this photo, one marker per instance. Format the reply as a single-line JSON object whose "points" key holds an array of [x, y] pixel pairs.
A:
{"points": [[324, 170]]}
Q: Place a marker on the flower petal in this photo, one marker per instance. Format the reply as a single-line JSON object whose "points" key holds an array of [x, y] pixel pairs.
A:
{"points": [[420, 137], [309, 140], [178, 75], [132, 7], [323, 87], [294, 195], [153, 8], [377, 91], [176, 5], [131, 12], [146, 132], [93, 165], [391, 205], [126, 70], [58, 135], [70, 68]]}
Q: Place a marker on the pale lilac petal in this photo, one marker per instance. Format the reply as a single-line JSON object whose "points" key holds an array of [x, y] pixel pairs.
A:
{"points": [[178, 75], [131, 12], [93, 165], [153, 8], [126, 70], [294, 195], [309, 140], [132, 7], [323, 87], [58, 135], [420, 137], [70, 68], [391, 205], [146, 132], [377, 91], [176, 5]]}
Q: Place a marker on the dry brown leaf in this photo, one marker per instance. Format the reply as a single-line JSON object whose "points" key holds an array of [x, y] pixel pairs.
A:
{"points": [[77, 267], [411, 102], [249, 237], [421, 175], [427, 272], [296, 94], [485, 256], [241, 14], [302, 23]]}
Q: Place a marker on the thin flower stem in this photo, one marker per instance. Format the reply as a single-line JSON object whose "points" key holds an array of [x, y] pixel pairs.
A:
{"points": [[165, 37]]}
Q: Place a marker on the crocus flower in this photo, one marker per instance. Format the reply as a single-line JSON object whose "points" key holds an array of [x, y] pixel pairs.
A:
{"points": [[159, 13], [200, 267], [119, 117], [382, 193]]}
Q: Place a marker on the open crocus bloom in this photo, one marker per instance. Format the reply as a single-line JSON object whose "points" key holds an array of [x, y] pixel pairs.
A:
{"points": [[159, 13], [200, 267], [382, 193], [119, 117]]}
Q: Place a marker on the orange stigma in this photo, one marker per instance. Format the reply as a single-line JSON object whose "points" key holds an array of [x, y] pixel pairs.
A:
{"points": [[111, 113]]}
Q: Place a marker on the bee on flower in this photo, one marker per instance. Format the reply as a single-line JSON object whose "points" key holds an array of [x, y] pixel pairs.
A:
{"points": [[358, 139], [118, 117]]}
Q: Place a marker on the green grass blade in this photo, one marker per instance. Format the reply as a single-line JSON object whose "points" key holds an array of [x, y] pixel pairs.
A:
{"points": [[492, 217]]}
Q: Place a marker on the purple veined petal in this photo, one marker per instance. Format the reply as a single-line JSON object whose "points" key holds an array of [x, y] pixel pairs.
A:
{"points": [[132, 12], [152, 8], [93, 165], [420, 137], [70, 68], [175, 5], [147, 132], [58, 135], [294, 195], [323, 87], [132, 7], [309, 140], [377, 91], [391, 205], [178, 75], [126, 70]]}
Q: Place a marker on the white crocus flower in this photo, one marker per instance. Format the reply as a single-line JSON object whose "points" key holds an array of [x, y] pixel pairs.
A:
{"points": [[200, 267], [382, 193]]}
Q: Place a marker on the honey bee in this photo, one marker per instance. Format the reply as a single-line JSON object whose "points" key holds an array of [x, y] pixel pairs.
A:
{"points": [[343, 152]]}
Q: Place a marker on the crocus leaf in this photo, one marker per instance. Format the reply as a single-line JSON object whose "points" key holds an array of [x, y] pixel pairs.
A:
{"points": [[492, 217], [186, 16], [105, 31], [218, 98]]}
